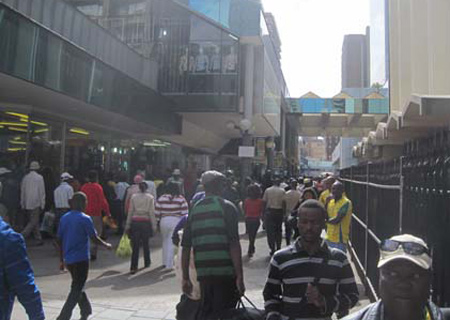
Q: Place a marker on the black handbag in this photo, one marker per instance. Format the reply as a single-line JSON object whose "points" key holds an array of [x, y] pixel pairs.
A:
{"points": [[188, 309], [242, 312]]}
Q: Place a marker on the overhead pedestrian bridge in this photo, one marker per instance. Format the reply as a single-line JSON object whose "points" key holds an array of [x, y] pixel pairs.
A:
{"points": [[342, 115]]}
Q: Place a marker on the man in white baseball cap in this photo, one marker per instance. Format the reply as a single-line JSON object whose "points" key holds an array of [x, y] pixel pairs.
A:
{"points": [[63, 194], [404, 287]]}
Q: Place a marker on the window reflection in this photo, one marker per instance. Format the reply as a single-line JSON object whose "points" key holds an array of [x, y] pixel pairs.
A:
{"points": [[32, 53], [197, 58]]}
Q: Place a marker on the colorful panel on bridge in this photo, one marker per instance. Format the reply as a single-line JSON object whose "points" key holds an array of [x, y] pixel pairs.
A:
{"points": [[368, 105]]}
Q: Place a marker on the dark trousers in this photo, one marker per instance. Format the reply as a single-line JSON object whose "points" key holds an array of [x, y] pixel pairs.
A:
{"points": [[218, 295], [59, 212], [120, 216], [79, 272], [140, 235], [287, 231], [252, 226], [274, 228]]}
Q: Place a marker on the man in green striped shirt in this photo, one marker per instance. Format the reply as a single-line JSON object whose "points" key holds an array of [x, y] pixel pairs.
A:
{"points": [[212, 231]]}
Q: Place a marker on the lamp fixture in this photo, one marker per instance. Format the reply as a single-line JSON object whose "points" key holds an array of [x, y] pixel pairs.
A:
{"points": [[79, 131], [41, 130], [20, 115], [42, 124], [17, 142], [16, 124], [17, 129], [16, 149]]}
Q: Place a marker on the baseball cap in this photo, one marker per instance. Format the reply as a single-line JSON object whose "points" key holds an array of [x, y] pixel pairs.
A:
{"points": [[66, 176], [405, 247], [4, 170], [176, 172]]}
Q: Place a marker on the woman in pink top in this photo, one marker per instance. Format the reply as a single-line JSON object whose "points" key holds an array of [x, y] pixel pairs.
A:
{"points": [[253, 209]]}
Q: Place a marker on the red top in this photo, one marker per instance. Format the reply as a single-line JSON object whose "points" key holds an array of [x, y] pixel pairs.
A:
{"points": [[253, 208], [96, 201]]}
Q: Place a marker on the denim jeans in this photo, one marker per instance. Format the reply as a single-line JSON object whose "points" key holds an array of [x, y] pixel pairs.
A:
{"points": [[79, 272]]}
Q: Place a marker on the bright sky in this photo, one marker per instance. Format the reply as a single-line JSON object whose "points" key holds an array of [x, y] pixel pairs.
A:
{"points": [[312, 32]]}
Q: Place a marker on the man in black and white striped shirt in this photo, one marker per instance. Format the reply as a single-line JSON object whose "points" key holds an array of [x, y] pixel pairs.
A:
{"points": [[309, 280]]}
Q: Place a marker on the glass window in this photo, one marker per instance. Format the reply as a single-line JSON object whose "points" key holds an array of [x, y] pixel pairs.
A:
{"points": [[46, 144], [48, 60], [13, 139], [101, 91], [76, 70], [16, 44]]}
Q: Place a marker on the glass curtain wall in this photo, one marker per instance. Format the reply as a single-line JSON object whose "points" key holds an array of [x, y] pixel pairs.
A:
{"points": [[197, 59], [32, 53]]}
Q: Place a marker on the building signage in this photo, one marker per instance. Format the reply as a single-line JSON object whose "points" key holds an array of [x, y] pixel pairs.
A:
{"points": [[246, 152]]}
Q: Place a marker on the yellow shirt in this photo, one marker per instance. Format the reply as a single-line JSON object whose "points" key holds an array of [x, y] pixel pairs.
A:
{"points": [[339, 233], [323, 197]]}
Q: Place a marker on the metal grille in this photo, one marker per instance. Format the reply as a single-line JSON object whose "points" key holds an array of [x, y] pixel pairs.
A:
{"points": [[406, 195]]}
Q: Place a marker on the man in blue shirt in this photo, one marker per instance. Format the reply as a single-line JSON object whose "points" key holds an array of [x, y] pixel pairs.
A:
{"points": [[75, 231], [16, 276]]}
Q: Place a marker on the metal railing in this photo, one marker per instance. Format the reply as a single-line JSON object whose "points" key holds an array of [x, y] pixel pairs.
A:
{"points": [[406, 195]]}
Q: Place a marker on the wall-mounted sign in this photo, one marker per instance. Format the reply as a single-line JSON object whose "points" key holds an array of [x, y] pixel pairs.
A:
{"points": [[246, 152]]}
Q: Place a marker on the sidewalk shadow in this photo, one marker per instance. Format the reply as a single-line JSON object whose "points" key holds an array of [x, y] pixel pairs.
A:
{"points": [[123, 281], [256, 263]]}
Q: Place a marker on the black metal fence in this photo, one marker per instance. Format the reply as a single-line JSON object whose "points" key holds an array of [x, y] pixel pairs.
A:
{"points": [[407, 195]]}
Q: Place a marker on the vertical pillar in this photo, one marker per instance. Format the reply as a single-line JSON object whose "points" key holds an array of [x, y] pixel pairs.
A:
{"points": [[366, 241], [63, 148], [248, 107], [109, 152], [401, 194], [27, 151]]}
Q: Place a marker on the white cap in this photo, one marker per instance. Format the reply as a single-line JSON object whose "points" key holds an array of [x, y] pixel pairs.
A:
{"points": [[176, 172], [34, 165], [3, 170], [66, 176], [424, 260]]}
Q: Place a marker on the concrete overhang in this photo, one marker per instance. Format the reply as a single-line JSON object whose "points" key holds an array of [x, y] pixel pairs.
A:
{"points": [[337, 124], [420, 116]]}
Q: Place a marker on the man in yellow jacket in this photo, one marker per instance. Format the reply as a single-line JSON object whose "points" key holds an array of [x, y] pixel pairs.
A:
{"points": [[326, 193], [339, 218]]}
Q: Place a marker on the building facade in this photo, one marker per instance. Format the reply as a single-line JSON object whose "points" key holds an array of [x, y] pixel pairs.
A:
{"points": [[137, 84], [356, 61], [418, 76]]}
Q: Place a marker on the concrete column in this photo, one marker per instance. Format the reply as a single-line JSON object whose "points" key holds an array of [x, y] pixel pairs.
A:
{"points": [[62, 161], [249, 82], [247, 139], [284, 133]]}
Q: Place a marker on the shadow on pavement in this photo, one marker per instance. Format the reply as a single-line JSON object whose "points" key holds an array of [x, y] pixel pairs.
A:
{"points": [[256, 263], [123, 281]]}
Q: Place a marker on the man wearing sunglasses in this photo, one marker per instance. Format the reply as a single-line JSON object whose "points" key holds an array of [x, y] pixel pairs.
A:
{"points": [[404, 287]]}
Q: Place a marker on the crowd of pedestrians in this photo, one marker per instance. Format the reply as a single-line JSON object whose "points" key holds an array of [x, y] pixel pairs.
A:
{"points": [[309, 278]]}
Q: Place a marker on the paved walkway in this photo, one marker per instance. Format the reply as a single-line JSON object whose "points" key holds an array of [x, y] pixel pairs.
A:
{"points": [[116, 295]]}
